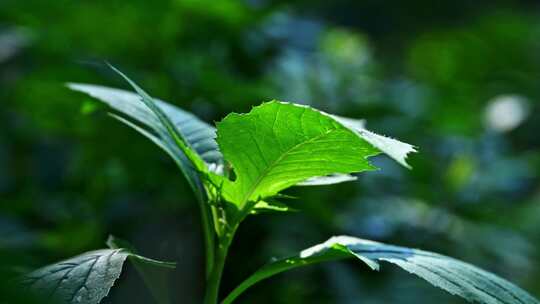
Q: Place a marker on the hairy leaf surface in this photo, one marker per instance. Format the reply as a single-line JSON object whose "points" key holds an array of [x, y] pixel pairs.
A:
{"points": [[454, 276], [278, 145]]}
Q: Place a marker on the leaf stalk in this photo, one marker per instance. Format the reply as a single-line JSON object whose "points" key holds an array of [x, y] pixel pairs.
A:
{"points": [[214, 280]]}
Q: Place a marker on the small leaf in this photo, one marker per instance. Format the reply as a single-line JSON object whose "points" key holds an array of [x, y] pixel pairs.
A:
{"points": [[84, 279], [454, 276], [168, 130]]}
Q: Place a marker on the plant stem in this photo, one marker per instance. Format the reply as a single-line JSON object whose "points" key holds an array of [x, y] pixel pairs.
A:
{"points": [[209, 237], [214, 280]]}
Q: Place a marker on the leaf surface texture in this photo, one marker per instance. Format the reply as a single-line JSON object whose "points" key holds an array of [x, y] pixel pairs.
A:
{"points": [[454, 276]]}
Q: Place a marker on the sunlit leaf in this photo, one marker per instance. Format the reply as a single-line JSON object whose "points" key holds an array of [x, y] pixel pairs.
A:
{"points": [[278, 145]]}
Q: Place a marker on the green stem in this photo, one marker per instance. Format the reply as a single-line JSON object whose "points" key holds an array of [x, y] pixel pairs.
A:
{"points": [[214, 280], [282, 265], [209, 236]]}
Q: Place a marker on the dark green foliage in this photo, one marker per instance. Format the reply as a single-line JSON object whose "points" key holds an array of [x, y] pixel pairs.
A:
{"points": [[456, 277]]}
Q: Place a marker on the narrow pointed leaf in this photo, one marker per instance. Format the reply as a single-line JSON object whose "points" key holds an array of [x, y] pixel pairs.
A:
{"points": [[199, 135], [451, 275], [181, 134], [172, 150], [170, 131]]}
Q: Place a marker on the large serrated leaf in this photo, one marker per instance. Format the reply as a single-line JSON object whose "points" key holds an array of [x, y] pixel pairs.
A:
{"points": [[278, 145], [454, 276], [84, 279]]}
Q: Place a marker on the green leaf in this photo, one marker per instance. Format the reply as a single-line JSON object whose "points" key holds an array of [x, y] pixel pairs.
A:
{"points": [[86, 278], [131, 105], [198, 134], [169, 129], [188, 140], [278, 145], [454, 276]]}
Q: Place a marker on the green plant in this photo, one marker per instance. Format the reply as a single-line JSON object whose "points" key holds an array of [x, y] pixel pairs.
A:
{"points": [[241, 172]]}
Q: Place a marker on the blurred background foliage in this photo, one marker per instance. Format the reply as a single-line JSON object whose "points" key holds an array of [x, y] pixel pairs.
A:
{"points": [[459, 79]]}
